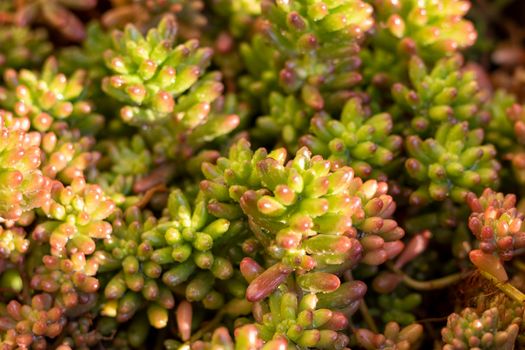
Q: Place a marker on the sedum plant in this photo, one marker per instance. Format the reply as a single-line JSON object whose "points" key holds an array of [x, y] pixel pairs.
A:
{"points": [[49, 97], [394, 337], [449, 93], [301, 322], [22, 47], [451, 164], [358, 139], [25, 187], [496, 327], [432, 29], [150, 72], [76, 217], [57, 14], [259, 175]]}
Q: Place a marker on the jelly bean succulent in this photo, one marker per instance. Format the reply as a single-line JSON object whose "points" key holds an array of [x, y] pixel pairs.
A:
{"points": [[432, 29], [146, 14], [451, 164], [57, 14], [359, 140], [495, 326], [28, 325], [22, 47], [150, 71], [300, 322], [48, 97], [394, 337], [259, 175], [449, 93], [25, 187]]}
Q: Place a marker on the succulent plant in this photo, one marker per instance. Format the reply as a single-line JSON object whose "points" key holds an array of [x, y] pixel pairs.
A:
{"points": [[307, 213], [22, 47], [89, 56], [122, 163], [300, 321], [358, 139], [399, 308], [451, 164], [71, 280], [506, 131], [431, 29], [239, 14], [154, 76], [448, 93], [56, 14], [228, 175], [496, 223], [206, 123], [49, 97], [24, 187], [76, 218], [189, 234], [127, 255], [287, 119], [146, 14], [79, 334], [494, 328], [68, 155], [303, 68], [27, 325], [394, 337], [13, 244], [306, 58]]}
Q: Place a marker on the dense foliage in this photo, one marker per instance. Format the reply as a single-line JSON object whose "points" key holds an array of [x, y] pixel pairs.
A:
{"points": [[260, 175]]}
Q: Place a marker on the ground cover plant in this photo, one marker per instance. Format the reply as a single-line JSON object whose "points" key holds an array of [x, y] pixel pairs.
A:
{"points": [[262, 174]]}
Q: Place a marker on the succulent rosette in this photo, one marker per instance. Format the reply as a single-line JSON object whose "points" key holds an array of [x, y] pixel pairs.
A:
{"points": [[451, 164], [496, 327], [24, 187], [428, 28], [150, 72]]}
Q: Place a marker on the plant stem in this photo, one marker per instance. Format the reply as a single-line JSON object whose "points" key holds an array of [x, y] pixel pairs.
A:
{"points": [[507, 288], [208, 327], [363, 308], [438, 283], [149, 194]]}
